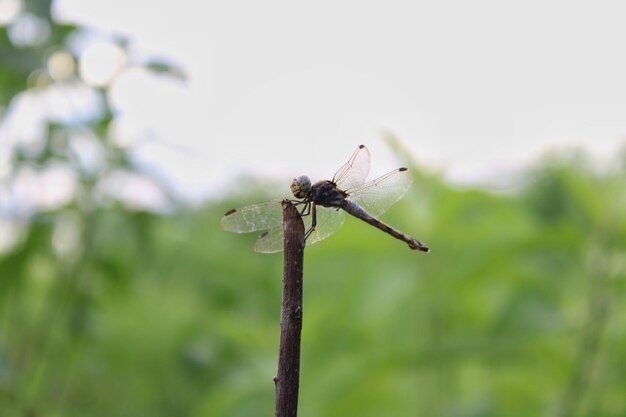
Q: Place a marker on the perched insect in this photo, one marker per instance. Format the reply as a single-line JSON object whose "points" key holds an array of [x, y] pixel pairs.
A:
{"points": [[321, 202]]}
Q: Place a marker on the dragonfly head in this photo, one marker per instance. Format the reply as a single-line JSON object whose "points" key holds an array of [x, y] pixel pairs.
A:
{"points": [[301, 186]]}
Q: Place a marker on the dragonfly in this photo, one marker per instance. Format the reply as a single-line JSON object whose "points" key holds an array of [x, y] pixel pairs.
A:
{"points": [[323, 204]]}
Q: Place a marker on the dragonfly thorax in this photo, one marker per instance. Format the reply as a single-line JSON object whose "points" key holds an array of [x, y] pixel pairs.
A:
{"points": [[301, 186], [326, 193]]}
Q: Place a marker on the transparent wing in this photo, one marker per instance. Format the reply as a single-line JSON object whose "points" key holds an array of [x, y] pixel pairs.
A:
{"points": [[354, 172], [270, 241], [264, 216], [328, 221], [378, 195]]}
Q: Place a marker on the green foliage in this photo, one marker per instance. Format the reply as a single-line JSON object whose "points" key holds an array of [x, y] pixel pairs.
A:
{"points": [[515, 312]]}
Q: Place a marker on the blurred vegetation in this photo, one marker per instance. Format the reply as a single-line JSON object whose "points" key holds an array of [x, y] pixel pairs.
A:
{"points": [[109, 310]]}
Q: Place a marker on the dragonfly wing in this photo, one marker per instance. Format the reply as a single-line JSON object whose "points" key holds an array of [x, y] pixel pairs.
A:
{"points": [[271, 241], [354, 172], [378, 195], [329, 220], [264, 216]]}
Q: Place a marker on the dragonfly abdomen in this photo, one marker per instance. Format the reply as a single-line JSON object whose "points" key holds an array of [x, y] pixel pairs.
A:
{"points": [[358, 211]]}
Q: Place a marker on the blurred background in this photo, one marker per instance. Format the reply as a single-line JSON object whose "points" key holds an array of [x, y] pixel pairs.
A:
{"points": [[128, 128]]}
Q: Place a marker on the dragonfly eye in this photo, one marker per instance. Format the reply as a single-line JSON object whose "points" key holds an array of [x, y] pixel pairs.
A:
{"points": [[301, 186]]}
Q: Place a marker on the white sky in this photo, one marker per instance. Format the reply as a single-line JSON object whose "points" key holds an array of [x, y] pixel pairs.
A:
{"points": [[476, 89]]}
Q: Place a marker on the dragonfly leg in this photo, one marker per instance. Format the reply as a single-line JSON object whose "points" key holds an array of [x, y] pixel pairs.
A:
{"points": [[313, 212], [306, 209], [306, 206]]}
